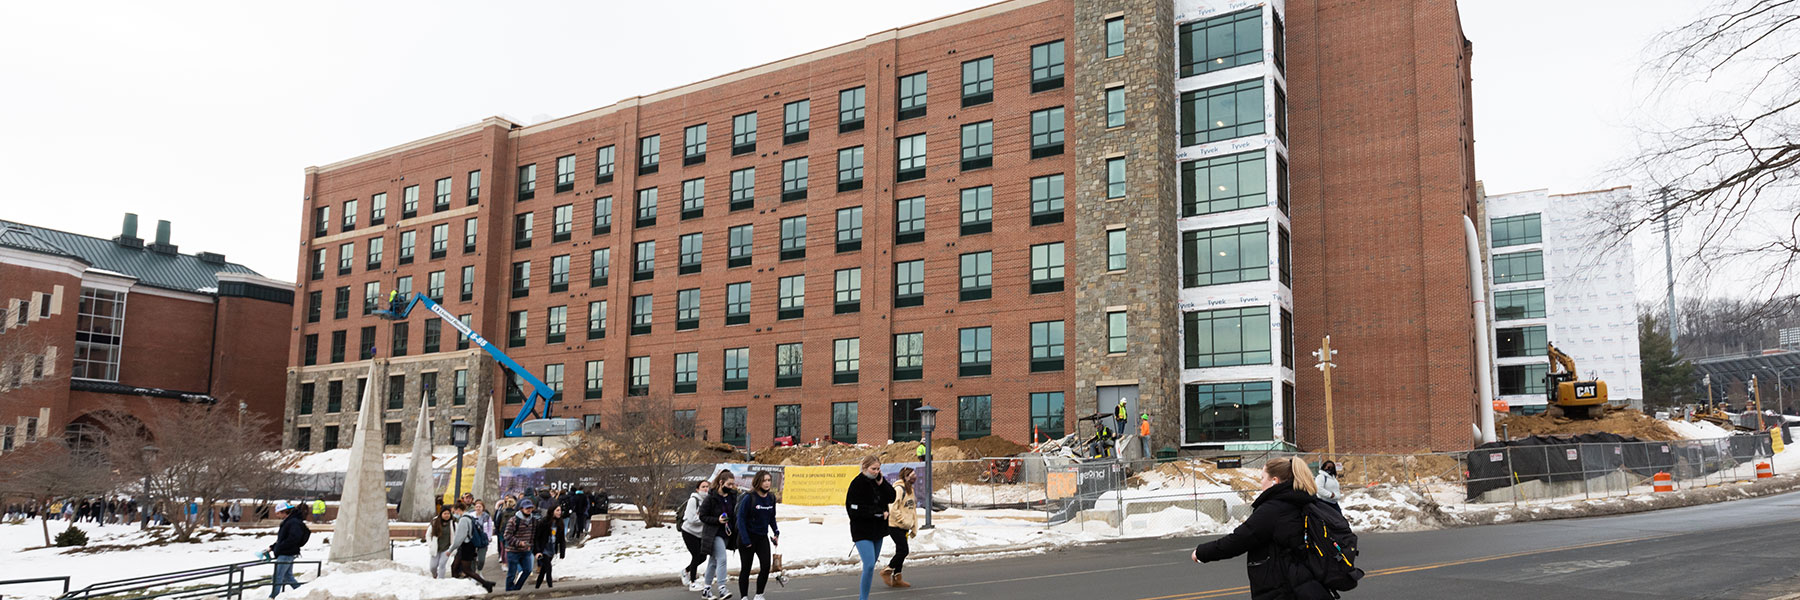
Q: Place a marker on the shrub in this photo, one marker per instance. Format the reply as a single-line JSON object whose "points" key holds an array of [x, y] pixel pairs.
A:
{"points": [[73, 536]]}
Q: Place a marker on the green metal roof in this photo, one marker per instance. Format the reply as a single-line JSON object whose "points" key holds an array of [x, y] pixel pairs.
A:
{"points": [[171, 271]]}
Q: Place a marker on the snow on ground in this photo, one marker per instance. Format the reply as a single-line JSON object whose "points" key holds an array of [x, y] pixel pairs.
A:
{"points": [[119, 552], [1390, 508], [522, 454], [991, 494], [1697, 430], [381, 580]]}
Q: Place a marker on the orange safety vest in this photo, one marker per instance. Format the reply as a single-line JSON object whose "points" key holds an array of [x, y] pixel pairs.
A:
{"points": [[1144, 428]]}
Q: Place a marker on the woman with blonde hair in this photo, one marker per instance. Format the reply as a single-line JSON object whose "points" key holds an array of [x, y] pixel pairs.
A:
{"points": [[903, 520], [1274, 528], [867, 501]]}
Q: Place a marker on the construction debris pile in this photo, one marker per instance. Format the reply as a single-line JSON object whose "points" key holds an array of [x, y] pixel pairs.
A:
{"points": [[1623, 422]]}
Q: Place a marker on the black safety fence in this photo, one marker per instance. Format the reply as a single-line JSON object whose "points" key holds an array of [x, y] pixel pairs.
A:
{"points": [[1602, 464]]}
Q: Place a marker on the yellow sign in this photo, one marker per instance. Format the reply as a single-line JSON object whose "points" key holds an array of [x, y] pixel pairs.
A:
{"points": [[817, 486], [468, 485], [1061, 484], [1775, 434]]}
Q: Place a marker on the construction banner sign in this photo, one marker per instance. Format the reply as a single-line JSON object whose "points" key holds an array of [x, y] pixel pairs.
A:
{"points": [[817, 486]]}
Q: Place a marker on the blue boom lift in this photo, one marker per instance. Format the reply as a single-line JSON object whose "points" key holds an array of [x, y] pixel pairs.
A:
{"points": [[402, 305]]}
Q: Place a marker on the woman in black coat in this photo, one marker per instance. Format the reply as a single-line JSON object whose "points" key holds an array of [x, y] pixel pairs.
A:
{"points": [[1271, 535], [548, 542]]}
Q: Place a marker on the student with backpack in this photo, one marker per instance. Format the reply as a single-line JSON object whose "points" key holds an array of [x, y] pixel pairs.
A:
{"points": [[1297, 549], [467, 541], [688, 514]]}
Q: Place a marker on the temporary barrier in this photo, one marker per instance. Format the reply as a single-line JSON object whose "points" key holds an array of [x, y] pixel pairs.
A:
{"points": [[1764, 470], [1664, 483]]}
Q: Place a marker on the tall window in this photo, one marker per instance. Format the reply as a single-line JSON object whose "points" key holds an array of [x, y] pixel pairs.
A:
{"points": [[562, 223], [100, 327], [565, 173], [1047, 346], [518, 324], [595, 381], [743, 134], [522, 226], [743, 189], [977, 271], [1225, 255], [974, 417], [1519, 266], [378, 208], [467, 290], [315, 305], [732, 428], [850, 109], [342, 308], [306, 397], [1115, 178], [402, 334], [977, 210], [521, 279], [787, 421], [975, 351], [646, 207], [600, 262], [909, 356], [691, 246], [1115, 37], [796, 121], [349, 215], [792, 299], [474, 187], [1221, 43], [1117, 332], [846, 360], [1224, 183], [471, 227], [693, 147], [1228, 412], [978, 145], [849, 229], [603, 215], [1519, 304], [1222, 113], [649, 154], [1518, 380], [527, 182], [737, 368], [911, 162], [603, 165], [687, 372], [375, 251], [739, 248], [1047, 268], [793, 179], [553, 378], [434, 285], [1116, 257], [371, 295], [440, 242], [850, 169], [409, 202], [1115, 107], [1047, 132], [978, 81], [1520, 341], [909, 220], [1227, 337], [1047, 66], [789, 363], [793, 238], [737, 303], [558, 325], [597, 320], [909, 283], [693, 198], [912, 96], [1047, 199], [1046, 415], [639, 383], [843, 422], [847, 291], [460, 389], [310, 350], [904, 420], [687, 309], [640, 314], [408, 240], [1516, 230]]}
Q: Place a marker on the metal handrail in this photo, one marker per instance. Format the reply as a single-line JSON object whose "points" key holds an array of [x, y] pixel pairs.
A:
{"points": [[63, 579], [237, 579]]}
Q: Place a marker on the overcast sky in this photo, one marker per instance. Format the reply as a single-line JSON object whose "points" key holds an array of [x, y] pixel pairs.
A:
{"points": [[206, 114]]}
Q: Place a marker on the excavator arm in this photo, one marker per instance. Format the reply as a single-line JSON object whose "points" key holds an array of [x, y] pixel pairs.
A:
{"points": [[1561, 363], [399, 308]]}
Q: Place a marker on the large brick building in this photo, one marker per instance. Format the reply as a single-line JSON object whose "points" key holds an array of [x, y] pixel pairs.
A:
{"points": [[1022, 214], [90, 324]]}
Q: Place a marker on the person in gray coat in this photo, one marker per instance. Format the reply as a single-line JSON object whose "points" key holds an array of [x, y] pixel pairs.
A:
{"points": [[1327, 483]]}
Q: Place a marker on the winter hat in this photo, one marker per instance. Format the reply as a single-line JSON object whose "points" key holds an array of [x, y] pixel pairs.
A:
{"points": [[288, 505], [524, 504]]}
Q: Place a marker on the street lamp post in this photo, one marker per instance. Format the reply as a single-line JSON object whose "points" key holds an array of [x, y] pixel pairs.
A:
{"points": [[927, 424], [459, 437], [149, 455]]}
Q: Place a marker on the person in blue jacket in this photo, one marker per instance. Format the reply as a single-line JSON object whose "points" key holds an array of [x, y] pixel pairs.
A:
{"points": [[757, 533]]}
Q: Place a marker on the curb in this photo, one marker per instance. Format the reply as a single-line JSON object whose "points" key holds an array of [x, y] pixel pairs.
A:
{"points": [[624, 584], [1617, 505]]}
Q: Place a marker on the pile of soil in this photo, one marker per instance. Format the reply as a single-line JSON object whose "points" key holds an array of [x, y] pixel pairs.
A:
{"points": [[1242, 480], [1359, 471], [1619, 421]]}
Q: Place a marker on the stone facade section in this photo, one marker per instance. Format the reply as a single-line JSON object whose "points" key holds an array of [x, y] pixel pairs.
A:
{"points": [[483, 387]]}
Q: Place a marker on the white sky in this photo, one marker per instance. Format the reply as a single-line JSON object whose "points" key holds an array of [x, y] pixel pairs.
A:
{"points": [[205, 114]]}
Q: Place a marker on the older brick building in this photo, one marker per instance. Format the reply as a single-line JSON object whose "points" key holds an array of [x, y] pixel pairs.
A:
{"points": [[91, 324], [1001, 213]]}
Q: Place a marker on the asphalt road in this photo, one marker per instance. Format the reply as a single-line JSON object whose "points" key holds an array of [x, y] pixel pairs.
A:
{"points": [[1743, 550]]}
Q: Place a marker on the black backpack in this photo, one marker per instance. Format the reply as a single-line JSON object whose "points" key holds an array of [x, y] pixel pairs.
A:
{"points": [[1328, 550]]}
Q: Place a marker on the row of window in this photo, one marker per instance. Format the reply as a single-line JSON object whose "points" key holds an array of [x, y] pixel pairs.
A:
{"points": [[399, 342], [435, 283], [1229, 111], [1226, 42], [409, 204], [1233, 337], [375, 249], [396, 397]]}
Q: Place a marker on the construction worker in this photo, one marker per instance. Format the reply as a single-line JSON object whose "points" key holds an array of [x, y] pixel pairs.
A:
{"points": [[1121, 416], [921, 451], [1144, 434]]}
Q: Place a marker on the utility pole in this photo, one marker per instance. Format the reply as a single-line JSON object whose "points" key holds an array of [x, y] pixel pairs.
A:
{"points": [[1669, 273], [1325, 354]]}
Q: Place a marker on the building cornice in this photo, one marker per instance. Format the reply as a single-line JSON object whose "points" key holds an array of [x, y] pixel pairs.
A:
{"points": [[66, 265]]}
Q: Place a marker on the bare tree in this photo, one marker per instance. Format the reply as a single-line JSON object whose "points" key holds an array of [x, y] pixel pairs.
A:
{"points": [[205, 454], [48, 470], [642, 454], [26, 362], [1725, 174]]}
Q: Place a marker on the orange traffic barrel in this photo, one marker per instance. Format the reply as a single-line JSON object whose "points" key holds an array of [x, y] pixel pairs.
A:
{"points": [[1664, 483], [1764, 471]]}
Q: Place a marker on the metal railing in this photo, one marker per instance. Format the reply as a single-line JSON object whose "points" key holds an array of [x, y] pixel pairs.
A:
{"points": [[64, 580], [192, 583]]}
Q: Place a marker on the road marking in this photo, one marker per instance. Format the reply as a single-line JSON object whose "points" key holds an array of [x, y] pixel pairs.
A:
{"points": [[1415, 568]]}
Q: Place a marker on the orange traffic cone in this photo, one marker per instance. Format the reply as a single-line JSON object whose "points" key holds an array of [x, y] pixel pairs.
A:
{"points": [[1664, 483]]}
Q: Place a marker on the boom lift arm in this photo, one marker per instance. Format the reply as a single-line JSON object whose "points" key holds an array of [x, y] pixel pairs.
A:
{"points": [[401, 306]]}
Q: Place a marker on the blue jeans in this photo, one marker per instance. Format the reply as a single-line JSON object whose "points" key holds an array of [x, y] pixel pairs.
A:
{"points": [[284, 575], [518, 569], [719, 566], [868, 550]]}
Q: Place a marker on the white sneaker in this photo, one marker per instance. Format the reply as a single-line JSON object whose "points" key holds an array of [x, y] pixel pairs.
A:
{"points": [[687, 582], [695, 586], [759, 597]]}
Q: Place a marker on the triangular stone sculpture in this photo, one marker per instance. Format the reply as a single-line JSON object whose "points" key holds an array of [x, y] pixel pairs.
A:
{"points": [[361, 529], [487, 465], [419, 499]]}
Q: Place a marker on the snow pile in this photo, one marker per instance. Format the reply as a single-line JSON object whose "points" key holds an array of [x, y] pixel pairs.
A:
{"points": [[527, 455], [117, 552], [991, 494], [1390, 508], [1697, 430], [381, 580]]}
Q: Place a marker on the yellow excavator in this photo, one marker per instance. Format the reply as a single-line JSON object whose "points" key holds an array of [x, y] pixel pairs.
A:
{"points": [[1576, 399]]}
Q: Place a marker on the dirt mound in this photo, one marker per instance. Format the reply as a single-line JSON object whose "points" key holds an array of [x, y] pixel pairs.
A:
{"points": [[1201, 471], [1359, 471], [1621, 421]]}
